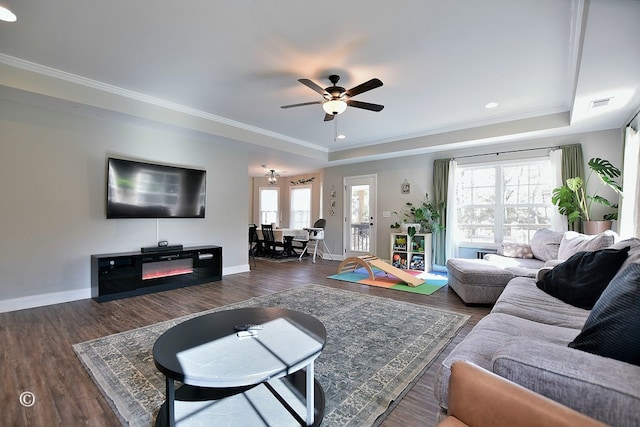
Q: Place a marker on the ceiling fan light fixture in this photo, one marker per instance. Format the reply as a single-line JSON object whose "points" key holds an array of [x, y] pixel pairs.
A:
{"points": [[6, 15], [334, 107], [272, 177]]}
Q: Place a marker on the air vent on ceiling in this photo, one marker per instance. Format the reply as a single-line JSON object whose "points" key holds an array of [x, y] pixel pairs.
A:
{"points": [[597, 103]]}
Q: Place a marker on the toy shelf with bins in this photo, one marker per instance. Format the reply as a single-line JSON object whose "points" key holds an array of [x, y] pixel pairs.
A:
{"points": [[411, 253]]}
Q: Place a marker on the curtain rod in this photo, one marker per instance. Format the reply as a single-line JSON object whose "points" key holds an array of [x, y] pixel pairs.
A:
{"points": [[555, 147]]}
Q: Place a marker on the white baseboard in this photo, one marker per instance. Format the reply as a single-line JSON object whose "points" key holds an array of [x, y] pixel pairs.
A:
{"points": [[41, 300], [235, 269]]}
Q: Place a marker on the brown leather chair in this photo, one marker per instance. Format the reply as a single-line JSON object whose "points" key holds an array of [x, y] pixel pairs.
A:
{"points": [[479, 398]]}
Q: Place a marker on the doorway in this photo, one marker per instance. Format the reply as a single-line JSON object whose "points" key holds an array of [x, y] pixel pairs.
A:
{"points": [[359, 216]]}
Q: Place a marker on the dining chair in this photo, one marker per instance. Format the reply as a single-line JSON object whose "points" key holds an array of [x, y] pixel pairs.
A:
{"points": [[253, 242], [270, 244]]}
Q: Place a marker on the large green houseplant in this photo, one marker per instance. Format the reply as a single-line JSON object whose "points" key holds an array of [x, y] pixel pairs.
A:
{"points": [[424, 214], [573, 201]]}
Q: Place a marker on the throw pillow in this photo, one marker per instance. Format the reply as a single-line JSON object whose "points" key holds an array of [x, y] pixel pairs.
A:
{"points": [[516, 250], [613, 326], [573, 242], [581, 279], [634, 252], [545, 244]]}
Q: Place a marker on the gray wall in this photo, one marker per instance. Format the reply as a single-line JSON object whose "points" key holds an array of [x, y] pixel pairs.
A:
{"points": [[52, 187], [418, 170]]}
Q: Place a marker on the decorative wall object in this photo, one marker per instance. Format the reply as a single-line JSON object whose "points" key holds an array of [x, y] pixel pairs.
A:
{"points": [[405, 187], [332, 212], [303, 181]]}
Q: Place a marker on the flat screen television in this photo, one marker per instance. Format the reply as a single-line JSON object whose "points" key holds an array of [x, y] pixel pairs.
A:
{"points": [[146, 190]]}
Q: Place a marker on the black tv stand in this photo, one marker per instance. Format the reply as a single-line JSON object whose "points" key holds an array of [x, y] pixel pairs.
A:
{"points": [[128, 274], [161, 248]]}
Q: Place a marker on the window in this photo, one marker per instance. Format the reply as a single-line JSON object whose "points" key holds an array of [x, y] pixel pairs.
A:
{"points": [[300, 207], [503, 203], [269, 205]]}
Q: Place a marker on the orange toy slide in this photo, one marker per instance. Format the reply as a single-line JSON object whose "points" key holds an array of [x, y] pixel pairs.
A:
{"points": [[366, 261]]}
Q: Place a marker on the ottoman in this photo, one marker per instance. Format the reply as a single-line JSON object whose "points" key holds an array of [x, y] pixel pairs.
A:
{"points": [[477, 281]]}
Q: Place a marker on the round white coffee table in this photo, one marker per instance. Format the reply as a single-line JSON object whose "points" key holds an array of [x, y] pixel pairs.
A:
{"points": [[267, 378]]}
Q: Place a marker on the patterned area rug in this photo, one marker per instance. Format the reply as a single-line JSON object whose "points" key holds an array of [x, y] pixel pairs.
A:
{"points": [[376, 348]]}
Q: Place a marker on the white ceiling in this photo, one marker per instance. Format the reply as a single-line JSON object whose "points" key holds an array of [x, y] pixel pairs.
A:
{"points": [[225, 68]]}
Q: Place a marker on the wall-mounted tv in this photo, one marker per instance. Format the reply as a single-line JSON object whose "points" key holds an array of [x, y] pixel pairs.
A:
{"points": [[146, 190]]}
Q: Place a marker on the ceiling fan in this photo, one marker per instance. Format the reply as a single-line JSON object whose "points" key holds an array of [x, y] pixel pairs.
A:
{"points": [[336, 98]]}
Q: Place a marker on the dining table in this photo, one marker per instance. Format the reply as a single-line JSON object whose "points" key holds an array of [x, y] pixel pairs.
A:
{"points": [[286, 237]]}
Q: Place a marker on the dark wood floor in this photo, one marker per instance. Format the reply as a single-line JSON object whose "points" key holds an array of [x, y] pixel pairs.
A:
{"points": [[37, 355]]}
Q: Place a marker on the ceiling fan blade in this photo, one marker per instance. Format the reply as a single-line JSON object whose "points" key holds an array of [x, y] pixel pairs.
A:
{"points": [[328, 117], [365, 105], [313, 86], [371, 84], [301, 104]]}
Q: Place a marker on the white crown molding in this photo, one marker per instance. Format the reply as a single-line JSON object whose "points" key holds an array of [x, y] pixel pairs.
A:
{"points": [[579, 12], [462, 126], [437, 142], [140, 97]]}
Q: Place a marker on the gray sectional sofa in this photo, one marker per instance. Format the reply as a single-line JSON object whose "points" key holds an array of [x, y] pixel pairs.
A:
{"points": [[482, 281], [526, 339]]}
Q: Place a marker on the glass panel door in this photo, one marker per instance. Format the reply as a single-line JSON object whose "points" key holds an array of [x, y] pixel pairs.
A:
{"points": [[360, 200]]}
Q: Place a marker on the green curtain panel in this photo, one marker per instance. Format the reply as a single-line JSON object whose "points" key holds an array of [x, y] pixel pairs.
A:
{"points": [[440, 189], [572, 166]]}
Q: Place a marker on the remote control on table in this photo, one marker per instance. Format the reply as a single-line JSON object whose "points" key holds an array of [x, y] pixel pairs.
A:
{"points": [[248, 327], [246, 334]]}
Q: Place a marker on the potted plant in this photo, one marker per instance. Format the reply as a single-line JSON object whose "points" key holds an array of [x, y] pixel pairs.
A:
{"points": [[572, 200], [422, 217]]}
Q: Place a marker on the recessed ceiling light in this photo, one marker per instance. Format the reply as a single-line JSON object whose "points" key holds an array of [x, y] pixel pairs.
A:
{"points": [[491, 105], [7, 15], [341, 136]]}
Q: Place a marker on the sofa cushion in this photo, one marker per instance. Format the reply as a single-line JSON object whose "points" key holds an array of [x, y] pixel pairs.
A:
{"points": [[581, 279], [572, 243], [545, 244], [522, 271], [522, 298], [613, 327], [476, 281], [600, 387], [490, 335], [515, 250], [506, 262]]}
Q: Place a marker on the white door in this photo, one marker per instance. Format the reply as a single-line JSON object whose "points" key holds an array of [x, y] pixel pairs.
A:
{"points": [[359, 215]]}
